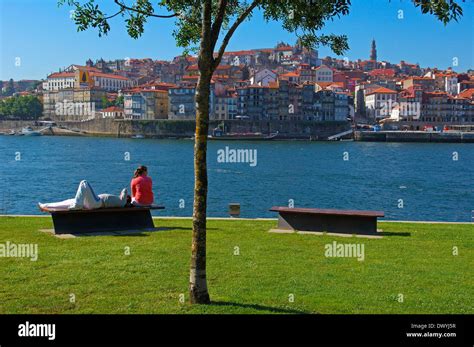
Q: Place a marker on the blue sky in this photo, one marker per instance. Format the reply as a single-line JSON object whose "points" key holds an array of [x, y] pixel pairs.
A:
{"points": [[43, 36]]}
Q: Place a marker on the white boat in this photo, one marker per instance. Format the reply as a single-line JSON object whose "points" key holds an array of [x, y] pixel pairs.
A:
{"points": [[138, 136], [28, 131]]}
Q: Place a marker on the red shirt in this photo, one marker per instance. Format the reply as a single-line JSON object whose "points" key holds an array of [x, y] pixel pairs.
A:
{"points": [[142, 190]]}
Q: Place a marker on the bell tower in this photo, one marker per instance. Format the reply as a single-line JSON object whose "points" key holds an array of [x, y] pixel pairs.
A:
{"points": [[373, 51]]}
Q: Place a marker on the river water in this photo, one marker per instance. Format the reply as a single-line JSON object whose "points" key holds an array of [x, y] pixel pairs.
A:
{"points": [[408, 181]]}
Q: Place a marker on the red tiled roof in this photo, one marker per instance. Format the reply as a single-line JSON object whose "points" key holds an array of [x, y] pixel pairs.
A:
{"points": [[88, 68], [410, 91], [467, 93], [62, 75], [113, 109], [336, 84], [382, 90], [382, 72], [365, 62], [324, 66], [416, 78], [290, 74]]}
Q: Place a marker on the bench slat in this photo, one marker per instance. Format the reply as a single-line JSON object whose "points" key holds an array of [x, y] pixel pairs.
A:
{"points": [[328, 211]]}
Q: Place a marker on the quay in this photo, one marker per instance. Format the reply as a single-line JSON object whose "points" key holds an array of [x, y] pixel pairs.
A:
{"points": [[414, 136]]}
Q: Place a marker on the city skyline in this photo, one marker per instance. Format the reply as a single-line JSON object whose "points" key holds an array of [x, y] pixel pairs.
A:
{"points": [[405, 37]]}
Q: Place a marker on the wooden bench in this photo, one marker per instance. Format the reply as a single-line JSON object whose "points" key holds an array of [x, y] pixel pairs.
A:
{"points": [[328, 220], [103, 219]]}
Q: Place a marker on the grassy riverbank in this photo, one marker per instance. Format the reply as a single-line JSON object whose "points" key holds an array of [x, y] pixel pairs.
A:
{"points": [[414, 260]]}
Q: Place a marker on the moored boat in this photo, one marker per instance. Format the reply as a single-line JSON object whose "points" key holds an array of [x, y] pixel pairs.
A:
{"points": [[28, 131], [218, 134]]}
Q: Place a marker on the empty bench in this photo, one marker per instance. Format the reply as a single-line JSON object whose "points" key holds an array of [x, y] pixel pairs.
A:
{"points": [[104, 219], [328, 220]]}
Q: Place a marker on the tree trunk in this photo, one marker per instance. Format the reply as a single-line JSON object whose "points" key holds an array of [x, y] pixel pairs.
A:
{"points": [[197, 281]]}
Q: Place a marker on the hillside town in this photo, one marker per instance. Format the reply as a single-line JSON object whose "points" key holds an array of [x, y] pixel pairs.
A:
{"points": [[284, 83]]}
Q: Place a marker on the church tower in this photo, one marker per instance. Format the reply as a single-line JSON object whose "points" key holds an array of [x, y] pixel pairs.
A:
{"points": [[373, 51]]}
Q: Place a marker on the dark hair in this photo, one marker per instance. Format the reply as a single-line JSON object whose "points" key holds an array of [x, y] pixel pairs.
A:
{"points": [[140, 170]]}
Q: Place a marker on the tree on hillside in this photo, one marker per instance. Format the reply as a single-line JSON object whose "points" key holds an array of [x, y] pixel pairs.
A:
{"points": [[207, 26], [10, 89], [104, 102], [119, 101]]}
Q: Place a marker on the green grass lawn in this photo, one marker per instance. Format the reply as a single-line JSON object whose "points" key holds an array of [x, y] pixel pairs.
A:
{"points": [[415, 260]]}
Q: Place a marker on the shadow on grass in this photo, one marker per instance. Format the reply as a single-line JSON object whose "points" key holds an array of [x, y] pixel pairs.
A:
{"points": [[142, 232], [135, 232], [138, 232], [258, 307], [389, 233]]}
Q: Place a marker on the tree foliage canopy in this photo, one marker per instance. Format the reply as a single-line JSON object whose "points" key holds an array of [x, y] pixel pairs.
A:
{"points": [[24, 107]]}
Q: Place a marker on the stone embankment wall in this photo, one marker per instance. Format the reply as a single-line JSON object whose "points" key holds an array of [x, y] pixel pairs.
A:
{"points": [[413, 136], [185, 128], [7, 125]]}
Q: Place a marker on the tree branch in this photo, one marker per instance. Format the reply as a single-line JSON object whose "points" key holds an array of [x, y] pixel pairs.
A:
{"points": [[216, 27], [123, 6], [114, 15], [231, 31]]}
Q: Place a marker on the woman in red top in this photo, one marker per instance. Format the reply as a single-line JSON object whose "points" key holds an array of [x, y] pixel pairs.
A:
{"points": [[142, 190]]}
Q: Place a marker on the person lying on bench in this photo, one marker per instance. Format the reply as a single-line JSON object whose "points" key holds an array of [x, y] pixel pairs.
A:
{"points": [[142, 187], [86, 199]]}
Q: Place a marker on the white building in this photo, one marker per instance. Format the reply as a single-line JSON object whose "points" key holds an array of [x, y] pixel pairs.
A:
{"points": [[263, 77], [60, 80], [77, 77], [239, 57], [283, 53], [324, 74], [380, 102], [112, 112], [110, 82], [451, 84]]}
